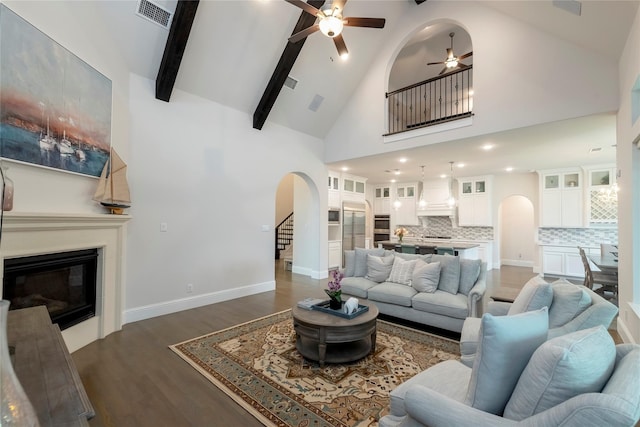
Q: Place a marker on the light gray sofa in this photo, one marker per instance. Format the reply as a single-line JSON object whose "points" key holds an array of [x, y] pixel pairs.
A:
{"points": [[571, 308], [581, 379], [456, 294]]}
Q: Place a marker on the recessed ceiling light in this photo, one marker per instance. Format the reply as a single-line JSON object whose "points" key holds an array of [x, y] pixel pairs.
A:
{"points": [[443, 176], [344, 169], [396, 172], [393, 180], [487, 147], [509, 169], [460, 165], [402, 160]]}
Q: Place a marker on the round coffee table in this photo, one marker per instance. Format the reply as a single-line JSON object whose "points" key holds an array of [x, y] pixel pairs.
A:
{"points": [[325, 337]]}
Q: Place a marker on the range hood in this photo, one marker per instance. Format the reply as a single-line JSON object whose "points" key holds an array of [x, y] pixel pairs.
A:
{"points": [[436, 194], [432, 210]]}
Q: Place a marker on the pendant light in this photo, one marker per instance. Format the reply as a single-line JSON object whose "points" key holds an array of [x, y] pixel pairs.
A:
{"points": [[451, 201], [422, 204]]}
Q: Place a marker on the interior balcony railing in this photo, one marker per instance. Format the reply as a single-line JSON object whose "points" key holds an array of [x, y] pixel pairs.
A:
{"points": [[431, 102]]}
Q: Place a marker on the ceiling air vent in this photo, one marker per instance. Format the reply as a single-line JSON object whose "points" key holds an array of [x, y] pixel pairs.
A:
{"points": [[315, 103], [290, 82], [154, 13], [571, 6]]}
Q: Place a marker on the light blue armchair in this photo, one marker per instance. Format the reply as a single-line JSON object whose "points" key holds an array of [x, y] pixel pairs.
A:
{"points": [[436, 397], [566, 314]]}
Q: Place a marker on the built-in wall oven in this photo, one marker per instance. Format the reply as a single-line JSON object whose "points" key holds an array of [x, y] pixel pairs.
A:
{"points": [[334, 216], [381, 228]]}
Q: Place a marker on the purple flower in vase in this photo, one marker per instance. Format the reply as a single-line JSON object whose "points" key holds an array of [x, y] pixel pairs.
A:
{"points": [[334, 290]]}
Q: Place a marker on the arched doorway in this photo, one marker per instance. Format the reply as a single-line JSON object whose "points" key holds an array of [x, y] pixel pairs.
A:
{"points": [[517, 232], [297, 208]]}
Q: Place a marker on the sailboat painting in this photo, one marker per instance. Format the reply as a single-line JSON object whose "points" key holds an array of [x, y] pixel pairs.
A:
{"points": [[113, 189], [55, 109]]}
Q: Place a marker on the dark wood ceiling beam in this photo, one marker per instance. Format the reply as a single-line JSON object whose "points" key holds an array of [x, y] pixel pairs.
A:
{"points": [[174, 49], [282, 70]]}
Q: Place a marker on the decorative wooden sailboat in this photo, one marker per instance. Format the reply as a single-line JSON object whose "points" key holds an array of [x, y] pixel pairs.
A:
{"points": [[113, 189]]}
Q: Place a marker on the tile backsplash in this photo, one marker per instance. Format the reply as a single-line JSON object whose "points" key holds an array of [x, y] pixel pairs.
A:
{"points": [[441, 226], [578, 236]]}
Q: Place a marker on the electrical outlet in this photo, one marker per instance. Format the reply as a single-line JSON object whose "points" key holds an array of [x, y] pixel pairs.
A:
{"points": [[189, 288]]}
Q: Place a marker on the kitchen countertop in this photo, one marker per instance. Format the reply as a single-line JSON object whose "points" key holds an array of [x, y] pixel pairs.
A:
{"points": [[445, 243]]}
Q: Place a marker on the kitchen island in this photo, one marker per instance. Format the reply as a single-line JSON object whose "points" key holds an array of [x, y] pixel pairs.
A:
{"points": [[432, 246]]}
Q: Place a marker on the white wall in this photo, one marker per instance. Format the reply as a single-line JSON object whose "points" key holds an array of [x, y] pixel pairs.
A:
{"points": [[628, 158], [284, 198], [511, 91], [196, 165], [200, 167], [518, 232]]}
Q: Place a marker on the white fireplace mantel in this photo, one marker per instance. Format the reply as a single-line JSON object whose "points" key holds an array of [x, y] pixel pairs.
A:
{"points": [[28, 234]]}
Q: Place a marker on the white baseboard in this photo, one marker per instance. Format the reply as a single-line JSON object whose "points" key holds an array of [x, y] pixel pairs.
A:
{"points": [[624, 332], [517, 263], [314, 274], [160, 309]]}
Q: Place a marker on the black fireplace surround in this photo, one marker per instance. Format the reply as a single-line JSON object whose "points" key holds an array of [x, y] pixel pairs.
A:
{"points": [[64, 282]]}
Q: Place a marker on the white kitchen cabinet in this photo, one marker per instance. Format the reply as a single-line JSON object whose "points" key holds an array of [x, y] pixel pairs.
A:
{"points": [[601, 195], [484, 251], [353, 188], [335, 253], [334, 190], [382, 200], [563, 260], [561, 199], [471, 253], [474, 201], [405, 214]]}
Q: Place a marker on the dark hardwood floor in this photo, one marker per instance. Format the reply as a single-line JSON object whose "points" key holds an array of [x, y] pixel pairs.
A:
{"points": [[133, 379]]}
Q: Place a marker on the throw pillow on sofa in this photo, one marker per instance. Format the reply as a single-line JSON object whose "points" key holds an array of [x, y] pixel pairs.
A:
{"points": [[425, 276], [378, 268], [469, 272], [402, 271], [360, 268], [534, 295], [562, 368], [449, 272], [505, 346], [569, 301], [349, 263]]}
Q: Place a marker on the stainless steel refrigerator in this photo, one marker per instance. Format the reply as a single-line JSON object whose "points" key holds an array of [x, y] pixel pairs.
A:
{"points": [[353, 225]]}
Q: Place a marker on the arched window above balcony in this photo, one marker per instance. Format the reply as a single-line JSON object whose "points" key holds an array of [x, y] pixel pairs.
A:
{"points": [[431, 80]]}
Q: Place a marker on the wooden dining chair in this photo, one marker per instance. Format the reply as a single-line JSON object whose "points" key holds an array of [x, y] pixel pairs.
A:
{"points": [[607, 249], [607, 282]]}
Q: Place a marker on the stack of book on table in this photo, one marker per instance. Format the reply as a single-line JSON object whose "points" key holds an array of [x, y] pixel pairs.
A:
{"points": [[308, 303]]}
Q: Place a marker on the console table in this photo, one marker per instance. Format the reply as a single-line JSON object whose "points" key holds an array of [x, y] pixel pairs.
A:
{"points": [[46, 370]]}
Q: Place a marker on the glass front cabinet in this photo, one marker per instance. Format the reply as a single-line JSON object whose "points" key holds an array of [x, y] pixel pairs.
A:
{"points": [[474, 201], [561, 198]]}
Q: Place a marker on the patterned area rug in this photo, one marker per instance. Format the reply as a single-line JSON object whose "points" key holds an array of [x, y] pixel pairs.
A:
{"points": [[257, 364]]}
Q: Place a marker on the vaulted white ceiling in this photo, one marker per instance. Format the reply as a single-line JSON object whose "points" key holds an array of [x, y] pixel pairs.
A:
{"points": [[235, 45]]}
